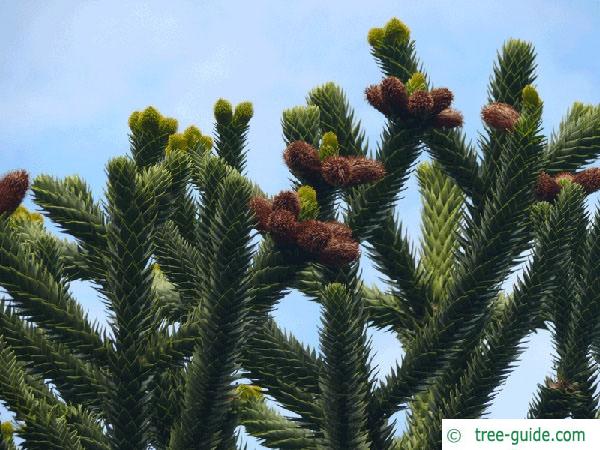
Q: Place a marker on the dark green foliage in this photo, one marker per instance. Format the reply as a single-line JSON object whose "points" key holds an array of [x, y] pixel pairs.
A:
{"points": [[70, 205], [272, 429], [272, 272], [369, 205], [302, 123], [133, 204], [577, 141], [150, 133], [165, 403], [77, 380], [231, 132], [336, 115], [49, 424], [570, 309], [551, 402], [178, 164], [181, 262], [279, 361], [190, 291], [514, 70], [128, 389], [392, 255], [344, 377], [501, 341], [208, 391], [38, 295], [458, 158]]}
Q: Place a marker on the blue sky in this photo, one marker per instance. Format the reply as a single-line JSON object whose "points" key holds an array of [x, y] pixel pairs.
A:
{"points": [[72, 72]]}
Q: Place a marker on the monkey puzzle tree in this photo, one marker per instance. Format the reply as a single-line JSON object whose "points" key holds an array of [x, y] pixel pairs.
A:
{"points": [[189, 292]]}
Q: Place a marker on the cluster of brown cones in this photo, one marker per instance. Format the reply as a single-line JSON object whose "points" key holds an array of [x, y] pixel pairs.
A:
{"points": [[391, 98], [500, 116], [13, 187], [329, 243], [340, 171], [549, 186]]}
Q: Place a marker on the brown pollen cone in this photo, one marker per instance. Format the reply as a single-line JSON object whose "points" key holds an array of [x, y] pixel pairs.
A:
{"points": [[365, 170], [448, 118], [13, 187], [283, 226], [313, 235], [442, 99], [375, 98], [336, 171], [338, 252], [262, 208], [500, 116], [564, 176], [302, 159], [338, 229], [395, 95], [288, 201], [589, 179], [546, 188], [561, 384], [420, 104]]}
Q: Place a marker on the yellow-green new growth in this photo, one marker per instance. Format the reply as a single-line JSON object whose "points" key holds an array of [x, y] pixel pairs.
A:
{"points": [[531, 98], [243, 113], [206, 142], [24, 215], [6, 430], [564, 182], [223, 111], [309, 207], [192, 134], [417, 82], [375, 36], [150, 116], [168, 125], [151, 121], [396, 32], [329, 146], [176, 142], [249, 392], [190, 139]]}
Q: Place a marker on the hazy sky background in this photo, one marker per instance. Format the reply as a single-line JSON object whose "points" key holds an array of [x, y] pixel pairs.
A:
{"points": [[72, 72]]}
